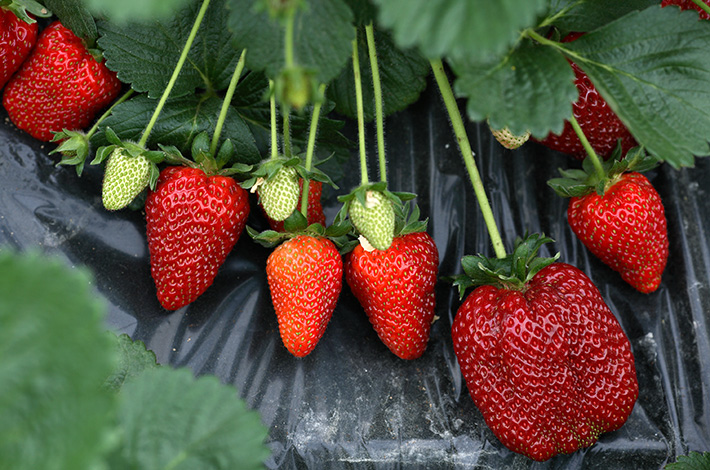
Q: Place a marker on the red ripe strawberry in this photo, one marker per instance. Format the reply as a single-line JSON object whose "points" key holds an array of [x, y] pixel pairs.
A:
{"points": [[315, 208], [545, 361], [17, 37], [60, 86], [396, 289], [600, 124], [193, 222], [688, 5], [625, 228], [305, 276]]}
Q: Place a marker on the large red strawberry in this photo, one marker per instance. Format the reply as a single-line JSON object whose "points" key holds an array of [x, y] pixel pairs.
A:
{"points": [[600, 124], [689, 5], [396, 289], [193, 222], [17, 37], [620, 219], [305, 276], [545, 360], [61, 85], [315, 207]]}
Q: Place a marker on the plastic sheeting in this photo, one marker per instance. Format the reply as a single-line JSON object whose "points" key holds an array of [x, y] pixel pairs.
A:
{"points": [[351, 403]]}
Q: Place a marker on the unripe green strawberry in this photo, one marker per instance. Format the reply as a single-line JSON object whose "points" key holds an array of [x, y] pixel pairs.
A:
{"points": [[279, 194], [125, 177], [509, 140], [374, 220]]}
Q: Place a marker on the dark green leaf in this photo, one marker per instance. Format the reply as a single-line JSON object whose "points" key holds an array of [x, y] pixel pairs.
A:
{"points": [[323, 34], [145, 54], [363, 10], [54, 357], [403, 76], [296, 222], [133, 358], [566, 187], [586, 15], [74, 15], [135, 10], [470, 30], [172, 420], [692, 461], [653, 67], [531, 89]]}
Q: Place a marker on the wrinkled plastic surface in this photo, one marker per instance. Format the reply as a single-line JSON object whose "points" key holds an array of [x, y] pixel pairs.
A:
{"points": [[351, 403]]}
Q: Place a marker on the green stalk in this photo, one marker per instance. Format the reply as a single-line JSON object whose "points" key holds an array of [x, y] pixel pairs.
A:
{"points": [[360, 114], [176, 72], [272, 106], [286, 110], [468, 155], [310, 149], [227, 101], [288, 38], [702, 5], [377, 88], [594, 158], [108, 112]]}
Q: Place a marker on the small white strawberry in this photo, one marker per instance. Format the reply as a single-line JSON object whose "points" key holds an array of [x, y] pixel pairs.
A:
{"points": [[125, 176], [509, 140], [375, 219], [279, 194]]}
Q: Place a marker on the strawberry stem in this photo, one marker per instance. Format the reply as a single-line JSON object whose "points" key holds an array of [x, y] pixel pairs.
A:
{"points": [[468, 155], [108, 112], [272, 106], [183, 57], [310, 148], [225, 104], [377, 87], [594, 158], [288, 38], [702, 5], [360, 114], [286, 110]]}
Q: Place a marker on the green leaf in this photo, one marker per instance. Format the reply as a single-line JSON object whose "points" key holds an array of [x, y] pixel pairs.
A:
{"points": [[586, 15], [692, 461], [180, 121], [530, 89], [134, 10], [323, 34], [403, 75], [145, 54], [172, 420], [471, 30], [653, 67], [74, 15], [133, 358], [54, 357]]}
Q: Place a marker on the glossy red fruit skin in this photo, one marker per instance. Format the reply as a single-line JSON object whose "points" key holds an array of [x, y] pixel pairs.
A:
{"points": [[192, 221], [600, 124], [396, 289], [315, 207], [626, 229], [688, 5], [60, 86], [17, 38], [305, 277], [549, 367]]}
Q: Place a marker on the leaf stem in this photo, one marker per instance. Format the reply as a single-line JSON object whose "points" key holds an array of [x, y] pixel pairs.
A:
{"points": [[176, 72], [310, 149], [702, 5], [108, 112], [377, 88], [468, 155], [227, 101], [360, 114], [592, 155], [272, 107]]}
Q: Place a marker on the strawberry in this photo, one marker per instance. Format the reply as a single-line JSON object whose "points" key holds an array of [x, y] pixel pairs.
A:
{"points": [[396, 289], [60, 85], [17, 37], [278, 194], [620, 219], [125, 176], [509, 140], [315, 208], [305, 276], [373, 216], [544, 359], [193, 222], [600, 124], [689, 5]]}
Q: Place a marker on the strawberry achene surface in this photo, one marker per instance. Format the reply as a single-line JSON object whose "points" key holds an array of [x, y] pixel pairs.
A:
{"points": [[549, 366], [688, 5], [17, 38]]}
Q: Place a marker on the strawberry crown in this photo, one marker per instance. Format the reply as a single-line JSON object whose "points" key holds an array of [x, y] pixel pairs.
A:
{"points": [[512, 272], [24, 8], [403, 221], [577, 183], [268, 169]]}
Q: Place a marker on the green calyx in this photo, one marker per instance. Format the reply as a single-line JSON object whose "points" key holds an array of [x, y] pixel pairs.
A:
{"points": [[512, 272], [203, 158], [580, 182], [23, 8], [296, 225]]}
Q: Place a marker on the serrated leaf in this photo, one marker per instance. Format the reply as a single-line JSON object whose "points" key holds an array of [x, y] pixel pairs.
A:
{"points": [[403, 75], [652, 67], [692, 461], [134, 10], [74, 15], [145, 54], [180, 120], [54, 356], [323, 33], [530, 89], [587, 15], [133, 358], [172, 420], [470, 30]]}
